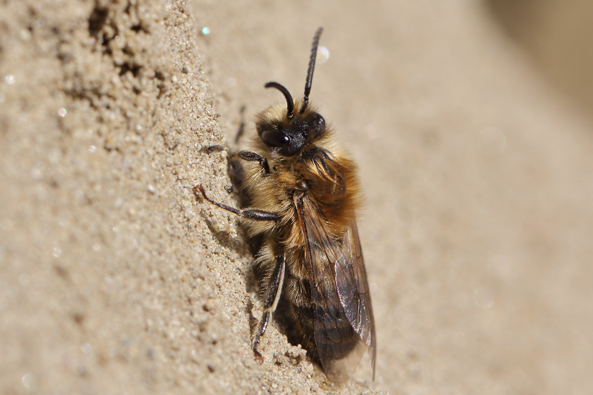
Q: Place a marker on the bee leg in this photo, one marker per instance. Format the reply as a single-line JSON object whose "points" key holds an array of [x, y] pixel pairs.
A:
{"points": [[273, 291], [256, 215], [253, 157], [241, 129], [214, 148]]}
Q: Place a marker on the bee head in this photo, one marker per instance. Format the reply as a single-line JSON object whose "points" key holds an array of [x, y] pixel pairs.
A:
{"points": [[287, 131], [290, 131]]}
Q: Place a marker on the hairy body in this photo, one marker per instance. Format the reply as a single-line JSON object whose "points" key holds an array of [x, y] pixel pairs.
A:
{"points": [[302, 194]]}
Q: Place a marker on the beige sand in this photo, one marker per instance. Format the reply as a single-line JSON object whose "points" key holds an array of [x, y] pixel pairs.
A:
{"points": [[115, 279]]}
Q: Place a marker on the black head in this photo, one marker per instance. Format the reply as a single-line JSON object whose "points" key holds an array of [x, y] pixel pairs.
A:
{"points": [[293, 131]]}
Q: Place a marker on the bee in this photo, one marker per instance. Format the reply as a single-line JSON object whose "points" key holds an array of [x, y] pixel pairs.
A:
{"points": [[303, 194]]}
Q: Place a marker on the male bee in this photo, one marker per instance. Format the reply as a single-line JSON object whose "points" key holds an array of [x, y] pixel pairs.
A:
{"points": [[303, 194]]}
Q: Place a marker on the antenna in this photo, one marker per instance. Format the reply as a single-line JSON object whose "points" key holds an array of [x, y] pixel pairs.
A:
{"points": [[311, 69], [286, 93]]}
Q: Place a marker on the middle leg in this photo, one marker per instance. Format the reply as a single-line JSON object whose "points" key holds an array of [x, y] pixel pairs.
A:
{"points": [[253, 214]]}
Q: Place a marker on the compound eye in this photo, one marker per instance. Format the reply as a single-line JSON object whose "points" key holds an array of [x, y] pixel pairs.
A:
{"points": [[275, 138], [317, 125]]}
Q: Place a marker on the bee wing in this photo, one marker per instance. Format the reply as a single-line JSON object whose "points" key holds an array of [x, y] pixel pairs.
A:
{"points": [[353, 288], [344, 323]]}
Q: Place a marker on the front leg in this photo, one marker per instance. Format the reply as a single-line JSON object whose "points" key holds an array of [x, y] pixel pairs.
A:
{"points": [[249, 156], [255, 157], [253, 214], [272, 292]]}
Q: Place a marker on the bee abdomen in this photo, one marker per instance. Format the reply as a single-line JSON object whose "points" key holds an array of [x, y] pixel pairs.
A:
{"points": [[334, 335], [325, 334]]}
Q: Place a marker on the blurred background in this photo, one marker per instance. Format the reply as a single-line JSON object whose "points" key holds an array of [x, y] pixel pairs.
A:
{"points": [[558, 36]]}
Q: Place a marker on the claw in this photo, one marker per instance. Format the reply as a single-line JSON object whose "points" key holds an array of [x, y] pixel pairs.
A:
{"points": [[200, 188], [258, 357]]}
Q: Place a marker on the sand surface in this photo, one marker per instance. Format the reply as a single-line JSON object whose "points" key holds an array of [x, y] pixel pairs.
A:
{"points": [[115, 279]]}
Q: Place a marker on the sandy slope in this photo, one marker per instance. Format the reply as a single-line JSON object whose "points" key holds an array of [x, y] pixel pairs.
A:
{"points": [[115, 279]]}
